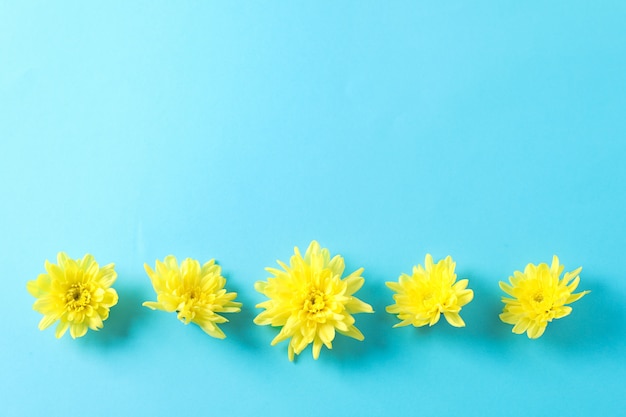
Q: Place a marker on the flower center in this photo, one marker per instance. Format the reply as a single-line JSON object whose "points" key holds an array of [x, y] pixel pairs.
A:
{"points": [[191, 300], [538, 297], [77, 297], [315, 301]]}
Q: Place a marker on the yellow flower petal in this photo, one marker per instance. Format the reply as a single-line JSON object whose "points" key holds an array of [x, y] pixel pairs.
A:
{"points": [[454, 319], [535, 330], [78, 330], [61, 329], [352, 332], [317, 347]]}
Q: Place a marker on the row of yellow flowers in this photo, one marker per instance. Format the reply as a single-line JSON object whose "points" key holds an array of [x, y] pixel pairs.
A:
{"points": [[308, 299]]}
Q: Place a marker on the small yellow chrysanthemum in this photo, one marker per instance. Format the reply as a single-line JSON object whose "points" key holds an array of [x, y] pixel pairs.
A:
{"points": [[539, 297], [422, 297], [77, 293], [195, 293], [311, 301]]}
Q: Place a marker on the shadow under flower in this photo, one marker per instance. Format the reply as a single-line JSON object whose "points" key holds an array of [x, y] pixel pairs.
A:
{"points": [[374, 326], [240, 326], [482, 316], [122, 316], [596, 324]]}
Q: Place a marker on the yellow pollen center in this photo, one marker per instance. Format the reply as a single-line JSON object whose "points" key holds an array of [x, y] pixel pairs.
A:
{"points": [[315, 301], [538, 297], [191, 299], [77, 297]]}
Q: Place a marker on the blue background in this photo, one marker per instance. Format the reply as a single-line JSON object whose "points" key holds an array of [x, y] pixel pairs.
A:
{"points": [[493, 131]]}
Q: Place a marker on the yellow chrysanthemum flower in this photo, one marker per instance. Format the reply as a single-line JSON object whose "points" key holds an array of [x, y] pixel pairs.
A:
{"points": [[76, 293], [195, 293], [539, 297], [311, 301], [422, 297]]}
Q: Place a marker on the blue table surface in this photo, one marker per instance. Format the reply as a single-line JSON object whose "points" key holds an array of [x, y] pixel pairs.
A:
{"points": [[491, 131]]}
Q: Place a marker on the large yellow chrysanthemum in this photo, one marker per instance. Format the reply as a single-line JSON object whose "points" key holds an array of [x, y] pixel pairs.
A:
{"points": [[539, 297], [196, 294], [76, 293], [422, 297], [311, 301]]}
